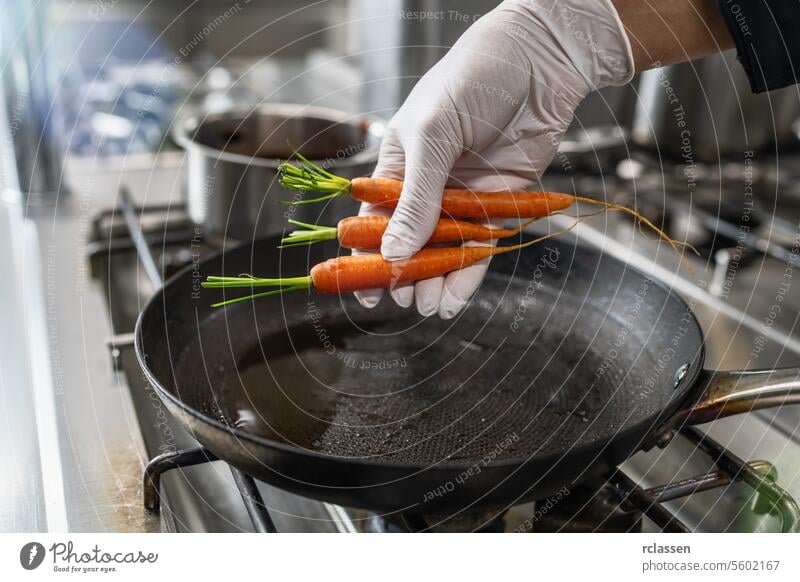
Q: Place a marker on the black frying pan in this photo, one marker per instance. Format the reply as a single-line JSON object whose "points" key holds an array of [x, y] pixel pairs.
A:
{"points": [[565, 363]]}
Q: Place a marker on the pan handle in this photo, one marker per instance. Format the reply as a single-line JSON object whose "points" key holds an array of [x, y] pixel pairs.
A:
{"points": [[734, 392]]}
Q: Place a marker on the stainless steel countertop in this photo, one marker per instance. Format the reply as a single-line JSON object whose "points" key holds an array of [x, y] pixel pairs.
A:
{"points": [[102, 448], [84, 424]]}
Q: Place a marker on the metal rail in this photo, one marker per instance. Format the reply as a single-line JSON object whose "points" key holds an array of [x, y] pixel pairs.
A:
{"points": [[142, 247], [253, 502]]}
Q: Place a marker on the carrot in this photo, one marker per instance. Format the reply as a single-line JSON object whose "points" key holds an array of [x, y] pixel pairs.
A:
{"points": [[385, 192], [357, 272], [365, 232]]}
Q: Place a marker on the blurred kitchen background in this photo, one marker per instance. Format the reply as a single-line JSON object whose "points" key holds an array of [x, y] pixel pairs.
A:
{"points": [[96, 96], [110, 79]]}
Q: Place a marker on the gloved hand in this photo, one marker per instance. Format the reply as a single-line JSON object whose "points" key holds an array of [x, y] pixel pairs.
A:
{"points": [[489, 116]]}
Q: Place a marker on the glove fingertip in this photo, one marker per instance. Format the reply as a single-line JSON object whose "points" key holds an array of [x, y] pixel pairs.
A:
{"points": [[459, 287], [369, 298], [450, 305], [428, 295], [403, 294]]}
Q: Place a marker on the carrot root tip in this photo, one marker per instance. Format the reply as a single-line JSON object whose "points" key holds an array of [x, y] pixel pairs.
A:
{"points": [[641, 219]]}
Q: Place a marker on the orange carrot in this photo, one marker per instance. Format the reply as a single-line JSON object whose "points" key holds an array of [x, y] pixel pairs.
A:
{"points": [[365, 232], [385, 192], [357, 272]]}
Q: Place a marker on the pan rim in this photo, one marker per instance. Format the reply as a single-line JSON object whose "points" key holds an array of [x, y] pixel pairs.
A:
{"points": [[697, 365]]}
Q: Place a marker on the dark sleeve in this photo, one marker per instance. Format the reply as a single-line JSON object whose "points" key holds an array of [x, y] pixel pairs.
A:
{"points": [[767, 37]]}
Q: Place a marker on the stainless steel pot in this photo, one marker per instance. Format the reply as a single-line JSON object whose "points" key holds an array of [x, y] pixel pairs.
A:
{"points": [[232, 188], [705, 109]]}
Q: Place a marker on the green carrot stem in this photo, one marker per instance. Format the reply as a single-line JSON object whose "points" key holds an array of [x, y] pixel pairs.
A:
{"points": [[314, 233], [311, 226], [309, 200], [213, 282], [245, 280], [316, 168], [257, 295], [310, 176]]}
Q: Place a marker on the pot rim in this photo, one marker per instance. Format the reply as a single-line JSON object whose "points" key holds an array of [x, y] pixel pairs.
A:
{"points": [[185, 128]]}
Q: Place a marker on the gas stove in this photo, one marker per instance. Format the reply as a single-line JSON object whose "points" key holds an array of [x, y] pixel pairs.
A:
{"points": [[699, 482]]}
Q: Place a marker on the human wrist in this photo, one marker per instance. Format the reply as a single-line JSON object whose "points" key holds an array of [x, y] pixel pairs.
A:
{"points": [[672, 31]]}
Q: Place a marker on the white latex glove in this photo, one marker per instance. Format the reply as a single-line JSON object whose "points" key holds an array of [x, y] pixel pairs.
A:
{"points": [[489, 116]]}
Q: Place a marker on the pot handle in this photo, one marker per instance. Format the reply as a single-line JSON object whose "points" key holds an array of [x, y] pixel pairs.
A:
{"points": [[737, 391]]}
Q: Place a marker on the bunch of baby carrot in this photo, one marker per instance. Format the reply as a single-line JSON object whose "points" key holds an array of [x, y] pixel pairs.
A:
{"points": [[368, 271]]}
